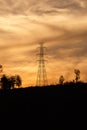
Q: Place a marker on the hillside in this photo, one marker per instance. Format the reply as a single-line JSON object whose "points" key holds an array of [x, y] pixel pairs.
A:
{"points": [[52, 103]]}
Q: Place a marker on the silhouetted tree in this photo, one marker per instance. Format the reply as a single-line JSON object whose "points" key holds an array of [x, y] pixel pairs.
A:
{"points": [[77, 73], [61, 79], [10, 82], [4, 82], [18, 80], [15, 80]]}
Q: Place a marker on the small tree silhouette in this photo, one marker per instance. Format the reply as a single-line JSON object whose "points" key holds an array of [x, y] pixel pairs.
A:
{"points": [[18, 80], [4, 82], [15, 80], [77, 73], [61, 79], [12, 82]]}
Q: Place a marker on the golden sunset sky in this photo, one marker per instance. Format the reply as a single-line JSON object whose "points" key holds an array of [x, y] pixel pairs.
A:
{"points": [[60, 24]]}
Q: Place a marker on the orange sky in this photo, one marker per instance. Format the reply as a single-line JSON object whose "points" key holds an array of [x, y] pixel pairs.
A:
{"points": [[62, 25]]}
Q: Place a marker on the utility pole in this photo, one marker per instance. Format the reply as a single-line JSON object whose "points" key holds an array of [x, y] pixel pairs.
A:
{"points": [[41, 73]]}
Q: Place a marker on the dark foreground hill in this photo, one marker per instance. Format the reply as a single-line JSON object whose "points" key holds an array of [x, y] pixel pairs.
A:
{"points": [[59, 103]]}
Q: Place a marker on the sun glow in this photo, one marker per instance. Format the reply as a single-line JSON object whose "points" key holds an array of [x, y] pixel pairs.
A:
{"points": [[61, 25]]}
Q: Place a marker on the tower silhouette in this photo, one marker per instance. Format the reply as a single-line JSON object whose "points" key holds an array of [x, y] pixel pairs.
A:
{"points": [[41, 74]]}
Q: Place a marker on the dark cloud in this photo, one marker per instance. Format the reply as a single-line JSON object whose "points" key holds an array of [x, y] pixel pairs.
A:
{"points": [[41, 7], [70, 45], [75, 5]]}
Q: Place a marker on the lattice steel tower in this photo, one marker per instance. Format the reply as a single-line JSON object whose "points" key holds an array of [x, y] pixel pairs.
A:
{"points": [[41, 74]]}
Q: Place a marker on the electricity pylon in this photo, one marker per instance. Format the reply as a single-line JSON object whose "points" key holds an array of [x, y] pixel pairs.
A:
{"points": [[41, 74]]}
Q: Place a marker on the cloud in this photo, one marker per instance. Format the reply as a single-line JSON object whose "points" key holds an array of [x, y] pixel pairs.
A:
{"points": [[61, 25], [41, 7]]}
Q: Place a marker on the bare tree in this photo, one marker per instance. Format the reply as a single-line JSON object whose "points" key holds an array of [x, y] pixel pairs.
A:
{"points": [[77, 75], [61, 79]]}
